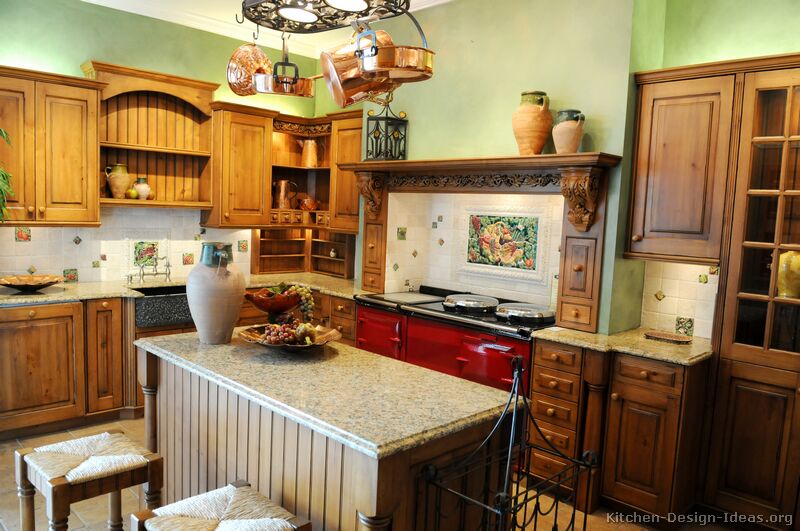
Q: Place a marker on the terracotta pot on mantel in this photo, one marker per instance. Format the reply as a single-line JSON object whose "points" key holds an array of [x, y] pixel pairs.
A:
{"points": [[532, 122]]}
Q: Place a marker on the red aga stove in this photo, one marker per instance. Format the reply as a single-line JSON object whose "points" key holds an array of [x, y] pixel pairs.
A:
{"points": [[462, 334]]}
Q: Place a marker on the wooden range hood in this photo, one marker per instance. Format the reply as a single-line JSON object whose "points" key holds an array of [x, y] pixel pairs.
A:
{"points": [[579, 177]]}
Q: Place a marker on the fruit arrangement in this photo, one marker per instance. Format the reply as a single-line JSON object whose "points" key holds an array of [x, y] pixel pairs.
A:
{"points": [[281, 299], [294, 333]]}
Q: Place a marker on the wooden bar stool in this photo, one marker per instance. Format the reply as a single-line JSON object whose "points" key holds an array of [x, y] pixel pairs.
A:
{"points": [[233, 507], [71, 471]]}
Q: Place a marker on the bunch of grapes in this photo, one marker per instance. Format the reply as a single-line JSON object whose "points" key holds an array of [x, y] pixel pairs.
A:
{"points": [[306, 300], [283, 334]]}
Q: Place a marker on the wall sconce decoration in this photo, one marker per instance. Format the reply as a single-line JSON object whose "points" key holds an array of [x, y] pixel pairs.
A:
{"points": [[386, 135]]}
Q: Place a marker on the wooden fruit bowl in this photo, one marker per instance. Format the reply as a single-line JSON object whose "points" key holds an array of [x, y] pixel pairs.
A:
{"points": [[273, 303], [254, 334], [30, 283]]}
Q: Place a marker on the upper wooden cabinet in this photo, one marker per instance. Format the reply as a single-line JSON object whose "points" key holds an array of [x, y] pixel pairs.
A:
{"points": [[242, 151], [53, 159], [345, 147], [681, 169]]}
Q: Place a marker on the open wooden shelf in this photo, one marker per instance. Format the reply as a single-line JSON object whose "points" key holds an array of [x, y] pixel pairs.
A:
{"points": [[323, 257], [304, 168], [138, 203], [157, 149], [283, 255], [282, 250]]}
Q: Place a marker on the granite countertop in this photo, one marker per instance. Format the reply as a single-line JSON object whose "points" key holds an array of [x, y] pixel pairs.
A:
{"points": [[374, 404], [631, 342], [80, 291]]}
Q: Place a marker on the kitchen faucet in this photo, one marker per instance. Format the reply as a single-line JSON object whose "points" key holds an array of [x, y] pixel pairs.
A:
{"points": [[155, 272]]}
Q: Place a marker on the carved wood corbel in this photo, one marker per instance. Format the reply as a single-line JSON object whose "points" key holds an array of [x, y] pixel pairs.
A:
{"points": [[370, 186], [581, 187]]}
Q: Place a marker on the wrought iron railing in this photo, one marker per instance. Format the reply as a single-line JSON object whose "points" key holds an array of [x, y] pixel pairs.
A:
{"points": [[490, 488]]}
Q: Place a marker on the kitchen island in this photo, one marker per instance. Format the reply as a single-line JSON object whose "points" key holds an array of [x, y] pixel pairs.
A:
{"points": [[338, 435]]}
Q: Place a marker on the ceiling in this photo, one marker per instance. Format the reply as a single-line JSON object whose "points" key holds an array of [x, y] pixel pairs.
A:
{"points": [[218, 16]]}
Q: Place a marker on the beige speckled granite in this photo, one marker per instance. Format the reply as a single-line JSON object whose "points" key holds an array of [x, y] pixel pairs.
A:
{"points": [[631, 342], [80, 291], [376, 405]]}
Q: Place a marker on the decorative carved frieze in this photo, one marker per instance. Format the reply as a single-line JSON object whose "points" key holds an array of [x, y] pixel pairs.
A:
{"points": [[307, 130], [581, 187], [466, 181], [370, 186]]}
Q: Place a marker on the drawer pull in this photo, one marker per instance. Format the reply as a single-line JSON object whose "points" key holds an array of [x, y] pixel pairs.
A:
{"points": [[577, 268], [614, 396], [643, 375], [41, 210], [30, 210], [340, 328], [32, 314], [548, 438], [552, 384], [370, 245], [550, 412], [340, 308], [637, 237], [462, 360], [576, 313], [105, 304], [361, 340], [554, 357], [509, 381]]}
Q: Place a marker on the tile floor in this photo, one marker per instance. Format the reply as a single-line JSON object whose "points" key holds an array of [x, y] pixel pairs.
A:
{"points": [[92, 514]]}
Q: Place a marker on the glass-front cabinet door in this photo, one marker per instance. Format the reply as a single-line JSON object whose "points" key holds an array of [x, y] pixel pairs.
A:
{"points": [[762, 308]]}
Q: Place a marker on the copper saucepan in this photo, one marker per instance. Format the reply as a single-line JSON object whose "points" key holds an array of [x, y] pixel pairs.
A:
{"points": [[342, 72], [401, 64], [281, 82]]}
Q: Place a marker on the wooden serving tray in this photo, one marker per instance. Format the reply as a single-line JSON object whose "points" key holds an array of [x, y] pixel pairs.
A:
{"points": [[668, 337], [254, 334]]}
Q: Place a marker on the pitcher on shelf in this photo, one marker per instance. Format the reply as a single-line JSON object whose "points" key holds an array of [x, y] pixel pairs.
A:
{"points": [[285, 194], [309, 156]]}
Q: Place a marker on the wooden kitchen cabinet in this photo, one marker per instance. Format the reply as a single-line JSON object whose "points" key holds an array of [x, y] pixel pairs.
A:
{"points": [[653, 434], [242, 166], [53, 159], [681, 169], [103, 354], [42, 365], [755, 454], [344, 198]]}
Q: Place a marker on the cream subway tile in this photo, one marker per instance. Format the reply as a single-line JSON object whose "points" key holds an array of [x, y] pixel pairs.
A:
{"points": [[685, 308], [650, 303], [649, 320], [706, 292], [654, 270], [703, 328], [670, 287], [666, 322], [687, 289], [705, 310], [669, 305], [652, 285]]}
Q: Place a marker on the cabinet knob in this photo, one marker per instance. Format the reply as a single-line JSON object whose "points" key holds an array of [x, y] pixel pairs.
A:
{"points": [[370, 245], [32, 314], [550, 412], [552, 384], [576, 313], [340, 328], [41, 210], [643, 374], [554, 357], [31, 210], [339, 308], [577, 268], [105, 304], [637, 237], [226, 215], [548, 437], [614, 396]]}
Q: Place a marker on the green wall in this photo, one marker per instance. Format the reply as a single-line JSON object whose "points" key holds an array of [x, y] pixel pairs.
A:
{"points": [[717, 30], [59, 35]]}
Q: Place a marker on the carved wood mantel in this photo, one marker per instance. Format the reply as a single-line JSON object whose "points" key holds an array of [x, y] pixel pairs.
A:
{"points": [[577, 176]]}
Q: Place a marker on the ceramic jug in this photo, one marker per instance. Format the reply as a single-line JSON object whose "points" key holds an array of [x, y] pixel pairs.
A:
{"points": [[568, 131], [142, 188], [285, 194], [532, 122], [118, 180], [215, 291], [309, 156]]}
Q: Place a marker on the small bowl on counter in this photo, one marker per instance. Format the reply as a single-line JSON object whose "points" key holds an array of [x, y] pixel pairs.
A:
{"points": [[30, 283]]}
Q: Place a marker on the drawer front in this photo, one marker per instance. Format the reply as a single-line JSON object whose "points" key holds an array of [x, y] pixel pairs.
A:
{"points": [[345, 308], [561, 438], [372, 281], [274, 217], [576, 313], [545, 465], [554, 410], [558, 356], [650, 373], [346, 326], [373, 248], [297, 217], [285, 217], [322, 307], [556, 383], [579, 267]]}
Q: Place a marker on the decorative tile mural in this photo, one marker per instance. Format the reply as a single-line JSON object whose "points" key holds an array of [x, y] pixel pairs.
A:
{"points": [[77, 240], [71, 275], [22, 234], [188, 258], [242, 245], [684, 326], [145, 253], [503, 241], [402, 232]]}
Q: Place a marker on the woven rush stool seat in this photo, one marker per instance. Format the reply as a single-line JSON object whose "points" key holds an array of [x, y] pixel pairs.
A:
{"points": [[75, 470], [234, 507]]}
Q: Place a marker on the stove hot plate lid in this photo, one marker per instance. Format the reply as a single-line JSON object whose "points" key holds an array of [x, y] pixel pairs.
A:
{"points": [[469, 302], [521, 310]]}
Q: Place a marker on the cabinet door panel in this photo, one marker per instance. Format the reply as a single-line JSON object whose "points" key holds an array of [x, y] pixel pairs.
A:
{"points": [[104, 354], [17, 119], [41, 346], [345, 147], [246, 169], [755, 453], [381, 332], [67, 154], [640, 447], [579, 267], [680, 174]]}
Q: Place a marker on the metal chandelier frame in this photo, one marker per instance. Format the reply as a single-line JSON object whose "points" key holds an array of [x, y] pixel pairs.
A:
{"points": [[267, 13]]}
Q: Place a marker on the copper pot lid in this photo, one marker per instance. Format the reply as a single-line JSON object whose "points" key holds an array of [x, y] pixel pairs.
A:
{"points": [[523, 310], [247, 61], [467, 301]]}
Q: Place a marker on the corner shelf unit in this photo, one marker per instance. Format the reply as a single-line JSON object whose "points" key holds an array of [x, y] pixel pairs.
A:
{"points": [[300, 250], [160, 127]]}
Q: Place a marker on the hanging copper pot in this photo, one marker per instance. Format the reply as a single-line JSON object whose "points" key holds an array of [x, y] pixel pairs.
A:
{"points": [[401, 64], [284, 78], [342, 72], [247, 61]]}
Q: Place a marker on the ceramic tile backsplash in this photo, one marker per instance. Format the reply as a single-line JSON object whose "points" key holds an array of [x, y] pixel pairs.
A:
{"points": [[107, 252], [434, 250], [680, 298]]}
